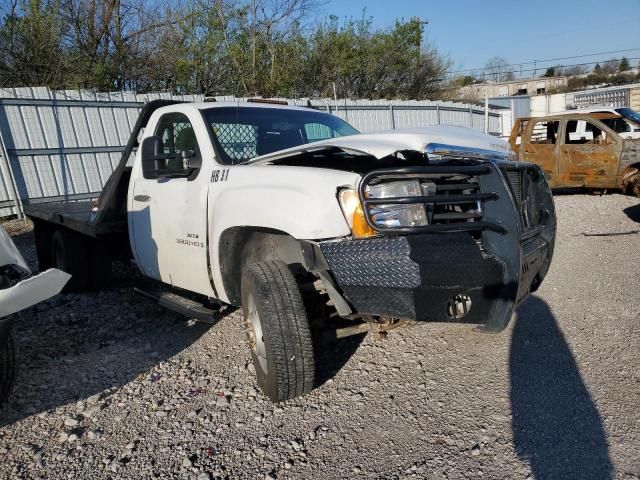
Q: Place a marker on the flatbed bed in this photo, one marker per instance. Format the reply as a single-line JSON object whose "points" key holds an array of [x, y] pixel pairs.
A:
{"points": [[74, 215]]}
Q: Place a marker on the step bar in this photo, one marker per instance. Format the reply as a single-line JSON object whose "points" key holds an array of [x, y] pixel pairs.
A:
{"points": [[184, 306]]}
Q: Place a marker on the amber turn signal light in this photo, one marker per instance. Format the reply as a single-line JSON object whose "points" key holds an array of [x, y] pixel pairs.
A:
{"points": [[354, 214]]}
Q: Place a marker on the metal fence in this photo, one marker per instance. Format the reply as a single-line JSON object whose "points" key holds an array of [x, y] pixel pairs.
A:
{"points": [[63, 145]]}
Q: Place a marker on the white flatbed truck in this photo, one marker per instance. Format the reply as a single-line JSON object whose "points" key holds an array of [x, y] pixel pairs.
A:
{"points": [[313, 229]]}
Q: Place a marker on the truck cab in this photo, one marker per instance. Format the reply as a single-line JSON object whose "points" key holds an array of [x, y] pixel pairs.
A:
{"points": [[315, 230]]}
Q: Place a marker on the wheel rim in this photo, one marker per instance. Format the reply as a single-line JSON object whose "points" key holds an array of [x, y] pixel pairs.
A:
{"points": [[256, 339]]}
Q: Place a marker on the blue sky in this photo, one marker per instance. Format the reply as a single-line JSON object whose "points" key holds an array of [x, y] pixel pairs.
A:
{"points": [[472, 31]]}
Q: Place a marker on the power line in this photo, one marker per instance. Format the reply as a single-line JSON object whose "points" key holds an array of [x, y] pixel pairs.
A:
{"points": [[549, 60], [562, 66]]}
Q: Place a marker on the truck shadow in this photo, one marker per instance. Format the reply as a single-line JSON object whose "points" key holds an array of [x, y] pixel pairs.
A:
{"points": [[556, 426], [331, 357], [633, 213], [75, 346]]}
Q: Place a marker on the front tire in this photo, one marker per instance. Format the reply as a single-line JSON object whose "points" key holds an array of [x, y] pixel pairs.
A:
{"points": [[278, 330]]}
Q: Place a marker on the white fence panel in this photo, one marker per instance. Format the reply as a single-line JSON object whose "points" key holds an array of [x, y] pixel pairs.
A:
{"points": [[63, 145]]}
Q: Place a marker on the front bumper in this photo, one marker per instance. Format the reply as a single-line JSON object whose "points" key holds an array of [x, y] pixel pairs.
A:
{"points": [[426, 276]]}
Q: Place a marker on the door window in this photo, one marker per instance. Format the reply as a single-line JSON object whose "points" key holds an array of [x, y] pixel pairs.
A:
{"points": [[582, 132], [618, 125], [545, 132], [178, 143]]}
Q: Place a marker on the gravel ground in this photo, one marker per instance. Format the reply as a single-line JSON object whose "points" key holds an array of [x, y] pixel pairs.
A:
{"points": [[110, 386]]}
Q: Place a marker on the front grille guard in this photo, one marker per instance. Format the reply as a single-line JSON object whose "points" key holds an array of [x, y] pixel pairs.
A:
{"points": [[518, 178], [424, 173]]}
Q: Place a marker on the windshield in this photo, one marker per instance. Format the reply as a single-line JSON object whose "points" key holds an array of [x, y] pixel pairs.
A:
{"points": [[243, 133], [629, 113]]}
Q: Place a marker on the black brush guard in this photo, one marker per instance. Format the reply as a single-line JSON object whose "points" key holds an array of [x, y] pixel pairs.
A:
{"points": [[419, 272]]}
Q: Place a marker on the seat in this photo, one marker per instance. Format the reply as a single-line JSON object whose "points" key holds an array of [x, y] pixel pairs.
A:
{"points": [[185, 140]]}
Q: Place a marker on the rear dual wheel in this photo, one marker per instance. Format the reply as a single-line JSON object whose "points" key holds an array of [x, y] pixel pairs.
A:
{"points": [[87, 260]]}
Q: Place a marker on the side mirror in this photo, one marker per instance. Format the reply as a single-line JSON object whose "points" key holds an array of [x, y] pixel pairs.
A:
{"points": [[152, 156]]}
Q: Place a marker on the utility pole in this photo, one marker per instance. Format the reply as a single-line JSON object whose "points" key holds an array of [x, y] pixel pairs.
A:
{"points": [[419, 24]]}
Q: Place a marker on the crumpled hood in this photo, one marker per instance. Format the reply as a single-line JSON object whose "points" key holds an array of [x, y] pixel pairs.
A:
{"points": [[383, 144]]}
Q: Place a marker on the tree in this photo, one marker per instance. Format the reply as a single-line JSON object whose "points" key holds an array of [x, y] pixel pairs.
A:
{"points": [[550, 72], [111, 38], [610, 66], [573, 71], [31, 50], [368, 63], [624, 65], [497, 69], [597, 69], [214, 47]]}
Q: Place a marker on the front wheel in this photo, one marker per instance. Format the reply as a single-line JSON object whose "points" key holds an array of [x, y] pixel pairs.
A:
{"points": [[278, 330]]}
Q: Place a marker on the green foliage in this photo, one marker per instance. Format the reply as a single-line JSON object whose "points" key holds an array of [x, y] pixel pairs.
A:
{"points": [[624, 64], [239, 47], [31, 50]]}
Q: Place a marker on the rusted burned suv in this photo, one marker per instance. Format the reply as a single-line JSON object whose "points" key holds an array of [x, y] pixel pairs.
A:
{"points": [[580, 150]]}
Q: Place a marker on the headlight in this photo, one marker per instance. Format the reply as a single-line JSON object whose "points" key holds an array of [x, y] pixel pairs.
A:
{"points": [[387, 215], [393, 215]]}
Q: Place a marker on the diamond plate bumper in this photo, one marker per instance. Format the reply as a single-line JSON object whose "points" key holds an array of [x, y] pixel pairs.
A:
{"points": [[417, 276]]}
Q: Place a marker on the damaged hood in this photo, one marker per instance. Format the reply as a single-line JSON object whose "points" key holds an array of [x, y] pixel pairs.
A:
{"points": [[379, 145]]}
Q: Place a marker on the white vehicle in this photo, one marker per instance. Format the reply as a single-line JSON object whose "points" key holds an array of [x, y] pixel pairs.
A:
{"points": [[314, 229], [622, 120], [19, 290]]}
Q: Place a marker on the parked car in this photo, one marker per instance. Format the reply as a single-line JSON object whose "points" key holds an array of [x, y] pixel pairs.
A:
{"points": [[314, 229], [577, 149], [623, 120], [19, 290]]}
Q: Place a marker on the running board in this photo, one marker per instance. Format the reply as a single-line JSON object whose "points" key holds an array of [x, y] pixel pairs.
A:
{"points": [[182, 305]]}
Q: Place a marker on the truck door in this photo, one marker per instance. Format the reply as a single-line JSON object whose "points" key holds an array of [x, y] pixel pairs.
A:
{"points": [[168, 209], [589, 155], [539, 145]]}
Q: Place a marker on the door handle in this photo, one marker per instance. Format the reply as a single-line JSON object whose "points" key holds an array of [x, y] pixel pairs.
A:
{"points": [[142, 198]]}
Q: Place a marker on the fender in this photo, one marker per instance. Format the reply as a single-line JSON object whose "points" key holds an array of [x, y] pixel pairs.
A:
{"points": [[299, 201]]}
